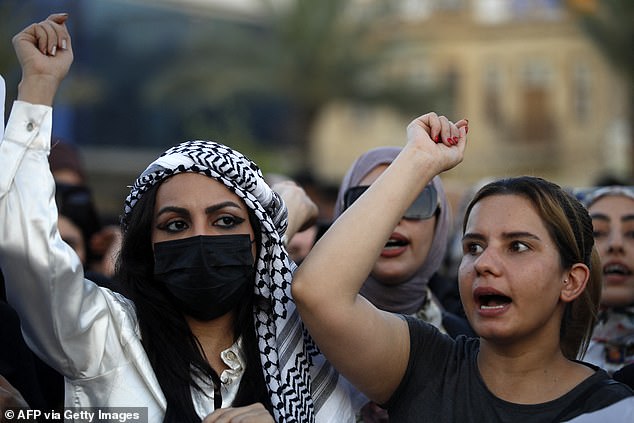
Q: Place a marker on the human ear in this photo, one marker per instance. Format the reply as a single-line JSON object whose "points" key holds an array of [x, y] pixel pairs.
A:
{"points": [[575, 282]]}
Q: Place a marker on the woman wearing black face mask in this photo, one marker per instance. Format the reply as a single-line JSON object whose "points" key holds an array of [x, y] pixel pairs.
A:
{"points": [[205, 327]]}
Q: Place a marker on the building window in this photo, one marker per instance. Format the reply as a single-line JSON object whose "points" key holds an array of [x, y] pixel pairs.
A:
{"points": [[543, 10], [536, 120], [492, 95], [581, 91], [415, 9], [492, 11], [420, 74], [450, 5]]}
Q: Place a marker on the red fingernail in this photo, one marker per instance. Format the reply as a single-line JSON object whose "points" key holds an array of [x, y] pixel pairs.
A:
{"points": [[455, 139], [466, 129], [436, 138], [449, 140]]}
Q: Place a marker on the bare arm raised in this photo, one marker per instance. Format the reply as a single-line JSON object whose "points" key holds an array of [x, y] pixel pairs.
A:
{"points": [[369, 346]]}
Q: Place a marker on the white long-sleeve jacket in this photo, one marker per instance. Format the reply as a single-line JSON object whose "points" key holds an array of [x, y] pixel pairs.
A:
{"points": [[88, 333]]}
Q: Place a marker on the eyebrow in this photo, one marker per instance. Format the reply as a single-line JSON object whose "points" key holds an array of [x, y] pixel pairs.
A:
{"points": [[599, 216], [505, 235], [604, 217], [209, 210], [172, 209], [221, 206]]}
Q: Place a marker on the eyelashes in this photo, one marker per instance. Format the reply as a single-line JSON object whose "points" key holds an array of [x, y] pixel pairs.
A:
{"points": [[180, 224]]}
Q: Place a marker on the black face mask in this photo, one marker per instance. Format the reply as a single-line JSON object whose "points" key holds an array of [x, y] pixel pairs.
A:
{"points": [[207, 275]]}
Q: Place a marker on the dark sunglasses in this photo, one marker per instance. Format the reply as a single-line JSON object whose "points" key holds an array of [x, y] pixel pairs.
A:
{"points": [[424, 207]]}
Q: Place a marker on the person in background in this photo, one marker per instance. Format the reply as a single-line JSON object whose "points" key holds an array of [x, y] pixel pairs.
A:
{"points": [[10, 398], [205, 328], [529, 282], [612, 212], [17, 363], [73, 196], [302, 242], [66, 163], [299, 245], [99, 244]]}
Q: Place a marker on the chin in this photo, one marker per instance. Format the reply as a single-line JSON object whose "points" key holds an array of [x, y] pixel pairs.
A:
{"points": [[390, 281], [492, 332], [391, 277], [613, 299]]}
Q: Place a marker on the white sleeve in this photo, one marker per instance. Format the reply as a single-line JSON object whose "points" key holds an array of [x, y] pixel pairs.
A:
{"points": [[66, 319], [3, 93]]}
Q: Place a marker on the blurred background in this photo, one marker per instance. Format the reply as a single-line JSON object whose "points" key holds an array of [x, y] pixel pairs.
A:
{"points": [[305, 86]]}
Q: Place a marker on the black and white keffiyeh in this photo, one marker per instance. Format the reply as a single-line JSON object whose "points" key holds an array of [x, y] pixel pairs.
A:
{"points": [[302, 385]]}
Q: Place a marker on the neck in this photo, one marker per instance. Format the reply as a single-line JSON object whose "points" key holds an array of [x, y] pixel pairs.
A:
{"points": [[214, 336], [528, 375]]}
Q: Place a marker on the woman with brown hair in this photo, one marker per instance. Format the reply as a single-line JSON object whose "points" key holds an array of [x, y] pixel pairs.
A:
{"points": [[529, 284]]}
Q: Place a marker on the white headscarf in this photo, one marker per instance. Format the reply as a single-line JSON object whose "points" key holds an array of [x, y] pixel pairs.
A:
{"points": [[590, 196]]}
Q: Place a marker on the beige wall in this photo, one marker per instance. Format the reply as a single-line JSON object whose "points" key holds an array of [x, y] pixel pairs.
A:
{"points": [[574, 151]]}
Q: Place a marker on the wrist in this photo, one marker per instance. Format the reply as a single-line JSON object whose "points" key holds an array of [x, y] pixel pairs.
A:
{"points": [[419, 163], [38, 89]]}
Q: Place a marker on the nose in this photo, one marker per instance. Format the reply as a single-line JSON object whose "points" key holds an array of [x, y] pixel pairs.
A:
{"points": [[487, 262], [615, 242], [200, 226]]}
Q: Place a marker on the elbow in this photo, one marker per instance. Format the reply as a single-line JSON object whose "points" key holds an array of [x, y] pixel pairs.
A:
{"points": [[299, 290], [305, 293]]}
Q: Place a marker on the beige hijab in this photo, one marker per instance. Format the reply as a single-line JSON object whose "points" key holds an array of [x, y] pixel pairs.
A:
{"points": [[409, 296]]}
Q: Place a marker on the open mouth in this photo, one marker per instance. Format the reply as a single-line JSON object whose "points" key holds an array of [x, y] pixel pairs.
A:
{"points": [[616, 269], [395, 243], [492, 301]]}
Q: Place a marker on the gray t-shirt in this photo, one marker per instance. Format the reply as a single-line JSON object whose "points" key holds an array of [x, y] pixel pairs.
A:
{"points": [[442, 384]]}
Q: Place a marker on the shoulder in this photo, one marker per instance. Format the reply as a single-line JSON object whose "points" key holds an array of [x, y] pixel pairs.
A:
{"points": [[616, 412], [625, 375], [432, 351], [437, 364], [609, 391], [601, 385], [601, 396], [425, 335]]}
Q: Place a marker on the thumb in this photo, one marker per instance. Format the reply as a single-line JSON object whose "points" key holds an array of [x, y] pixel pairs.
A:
{"points": [[58, 18]]}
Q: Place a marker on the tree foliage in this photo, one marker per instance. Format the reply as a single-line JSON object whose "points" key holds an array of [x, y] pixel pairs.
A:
{"points": [[296, 57], [609, 23]]}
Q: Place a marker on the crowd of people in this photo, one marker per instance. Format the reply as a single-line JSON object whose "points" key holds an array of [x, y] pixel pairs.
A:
{"points": [[199, 309]]}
